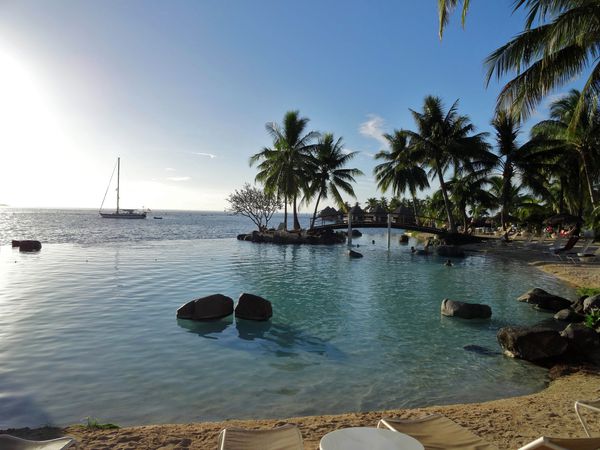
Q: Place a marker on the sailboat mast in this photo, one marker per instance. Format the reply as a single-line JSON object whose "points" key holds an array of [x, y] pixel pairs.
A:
{"points": [[118, 179]]}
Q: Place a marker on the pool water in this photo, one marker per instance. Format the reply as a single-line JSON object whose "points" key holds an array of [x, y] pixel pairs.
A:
{"points": [[90, 330]]}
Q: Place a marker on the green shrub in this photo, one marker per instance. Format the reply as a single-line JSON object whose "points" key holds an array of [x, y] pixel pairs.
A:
{"points": [[592, 319], [587, 291], [93, 423]]}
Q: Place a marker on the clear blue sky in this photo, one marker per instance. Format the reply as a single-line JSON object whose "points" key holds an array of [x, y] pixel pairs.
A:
{"points": [[181, 90]]}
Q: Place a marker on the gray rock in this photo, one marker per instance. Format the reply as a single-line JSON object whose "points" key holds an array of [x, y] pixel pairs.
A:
{"points": [[591, 303], [581, 336], [206, 308], [568, 315], [453, 308], [253, 307], [544, 300], [531, 343]]}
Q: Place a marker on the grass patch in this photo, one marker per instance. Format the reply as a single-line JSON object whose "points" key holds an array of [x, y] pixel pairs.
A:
{"points": [[94, 424], [587, 291]]}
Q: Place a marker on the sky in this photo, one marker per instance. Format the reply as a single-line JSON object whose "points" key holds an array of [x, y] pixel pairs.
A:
{"points": [[182, 90]]}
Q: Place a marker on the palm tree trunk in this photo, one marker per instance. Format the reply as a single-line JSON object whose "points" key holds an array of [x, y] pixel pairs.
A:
{"points": [[451, 224], [587, 177], [506, 185], [296, 222], [312, 222], [285, 204], [414, 199]]}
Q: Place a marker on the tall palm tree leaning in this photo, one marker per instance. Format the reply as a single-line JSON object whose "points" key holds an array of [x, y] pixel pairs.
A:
{"points": [[401, 170], [444, 140], [563, 45], [329, 175], [529, 161], [283, 168]]}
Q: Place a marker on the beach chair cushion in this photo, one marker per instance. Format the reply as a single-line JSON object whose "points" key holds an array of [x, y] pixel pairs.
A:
{"points": [[8, 442], [547, 443], [286, 437], [437, 432]]}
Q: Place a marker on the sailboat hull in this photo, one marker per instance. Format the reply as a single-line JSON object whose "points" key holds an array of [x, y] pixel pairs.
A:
{"points": [[132, 215]]}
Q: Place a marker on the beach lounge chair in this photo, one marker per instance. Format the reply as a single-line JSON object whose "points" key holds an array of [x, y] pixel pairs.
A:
{"points": [[593, 405], [8, 442], [437, 432], [287, 437], [546, 443]]}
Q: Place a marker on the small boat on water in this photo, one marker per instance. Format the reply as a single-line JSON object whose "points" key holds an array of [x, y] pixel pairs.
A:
{"points": [[158, 217], [120, 213]]}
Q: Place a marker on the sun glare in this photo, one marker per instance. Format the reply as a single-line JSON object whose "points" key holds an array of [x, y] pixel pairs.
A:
{"points": [[32, 140]]}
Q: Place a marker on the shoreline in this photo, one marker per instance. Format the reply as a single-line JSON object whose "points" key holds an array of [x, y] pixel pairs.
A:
{"points": [[508, 423]]}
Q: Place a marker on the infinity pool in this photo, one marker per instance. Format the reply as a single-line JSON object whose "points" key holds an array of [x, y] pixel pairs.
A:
{"points": [[89, 330]]}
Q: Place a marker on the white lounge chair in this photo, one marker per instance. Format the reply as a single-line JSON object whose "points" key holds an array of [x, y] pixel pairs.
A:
{"points": [[287, 437], [8, 442], [593, 405], [546, 443], [437, 432]]}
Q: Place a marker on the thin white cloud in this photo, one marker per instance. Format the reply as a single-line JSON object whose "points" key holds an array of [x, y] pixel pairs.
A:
{"points": [[369, 154], [170, 169], [179, 178], [208, 155], [373, 128]]}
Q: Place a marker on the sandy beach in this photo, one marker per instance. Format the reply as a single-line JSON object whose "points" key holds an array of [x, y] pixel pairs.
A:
{"points": [[508, 423]]}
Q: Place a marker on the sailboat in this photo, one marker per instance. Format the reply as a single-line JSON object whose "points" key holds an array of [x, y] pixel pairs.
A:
{"points": [[120, 213]]}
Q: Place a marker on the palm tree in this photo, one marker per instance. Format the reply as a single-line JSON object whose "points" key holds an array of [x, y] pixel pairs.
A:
{"points": [[371, 203], [444, 140], [470, 190], [529, 161], [563, 45], [446, 7], [329, 174], [583, 139], [284, 167], [401, 170]]}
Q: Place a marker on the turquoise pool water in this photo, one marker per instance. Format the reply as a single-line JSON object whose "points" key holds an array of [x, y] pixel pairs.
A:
{"points": [[90, 330]]}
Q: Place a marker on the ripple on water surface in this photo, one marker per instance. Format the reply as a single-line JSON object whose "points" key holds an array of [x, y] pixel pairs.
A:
{"points": [[91, 331]]}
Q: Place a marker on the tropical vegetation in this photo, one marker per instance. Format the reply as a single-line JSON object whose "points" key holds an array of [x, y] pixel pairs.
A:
{"points": [[471, 176]]}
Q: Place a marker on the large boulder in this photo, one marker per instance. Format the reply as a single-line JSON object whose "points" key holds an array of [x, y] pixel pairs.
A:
{"points": [[581, 336], [465, 310], [544, 300], [568, 315], [207, 308], [590, 303], [535, 344], [450, 250], [253, 307]]}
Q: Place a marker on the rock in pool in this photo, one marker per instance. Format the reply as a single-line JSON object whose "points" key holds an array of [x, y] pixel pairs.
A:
{"points": [[533, 344], [207, 308], [253, 307], [453, 308], [544, 300], [28, 246], [353, 254]]}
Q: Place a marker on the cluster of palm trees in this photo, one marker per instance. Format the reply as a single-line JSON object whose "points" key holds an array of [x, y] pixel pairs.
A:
{"points": [[302, 166], [555, 171]]}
